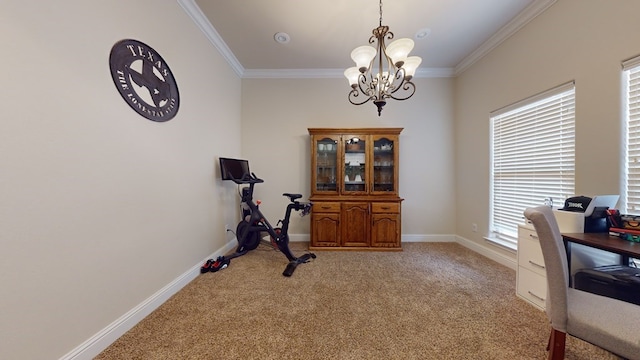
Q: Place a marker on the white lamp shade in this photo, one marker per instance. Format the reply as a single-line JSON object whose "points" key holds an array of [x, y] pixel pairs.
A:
{"points": [[411, 65], [363, 55], [352, 74], [399, 50]]}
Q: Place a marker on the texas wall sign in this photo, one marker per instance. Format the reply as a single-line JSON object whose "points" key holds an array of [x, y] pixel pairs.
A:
{"points": [[144, 80]]}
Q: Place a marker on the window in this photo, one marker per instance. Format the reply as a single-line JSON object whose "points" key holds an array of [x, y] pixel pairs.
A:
{"points": [[533, 151], [631, 166]]}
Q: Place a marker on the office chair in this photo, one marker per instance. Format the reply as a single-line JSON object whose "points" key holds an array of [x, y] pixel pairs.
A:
{"points": [[611, 324]]}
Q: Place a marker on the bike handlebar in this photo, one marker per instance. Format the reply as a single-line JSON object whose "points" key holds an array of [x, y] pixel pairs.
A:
{"points": [[248, 179]]}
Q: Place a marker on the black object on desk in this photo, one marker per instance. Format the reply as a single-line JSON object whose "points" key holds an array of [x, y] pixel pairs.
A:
{"points": [[602, 241], [615, 281]]}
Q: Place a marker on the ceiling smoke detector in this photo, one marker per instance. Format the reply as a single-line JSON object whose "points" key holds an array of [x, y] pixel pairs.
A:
{"points": [[422, 33], [282, 37]]}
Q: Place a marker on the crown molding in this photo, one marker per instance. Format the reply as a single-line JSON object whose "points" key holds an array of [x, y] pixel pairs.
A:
{"points": [[434, 72], [194, 11], [330, 73], [292, 73], [531, 12]]}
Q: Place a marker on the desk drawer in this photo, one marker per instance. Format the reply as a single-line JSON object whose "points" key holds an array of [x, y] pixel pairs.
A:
{"points": [[530, 256], [529, 252], [532, 287]]}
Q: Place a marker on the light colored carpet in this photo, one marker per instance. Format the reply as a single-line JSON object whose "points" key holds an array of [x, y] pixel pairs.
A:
{"points": [[430, 301]]}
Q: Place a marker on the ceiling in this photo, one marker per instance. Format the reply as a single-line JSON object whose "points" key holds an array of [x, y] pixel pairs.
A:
{"points": [[323, 33]]}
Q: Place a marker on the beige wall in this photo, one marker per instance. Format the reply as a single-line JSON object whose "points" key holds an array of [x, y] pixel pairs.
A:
{"points": [[581, 40], [277, 112], [100, 208]]}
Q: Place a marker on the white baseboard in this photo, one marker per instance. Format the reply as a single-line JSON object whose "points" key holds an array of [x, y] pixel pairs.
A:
{"points": [[428, 238], [502, 259], [100, 341], [299, 237]]}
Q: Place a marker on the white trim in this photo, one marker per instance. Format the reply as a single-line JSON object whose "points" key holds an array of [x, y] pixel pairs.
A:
{"points": [[629, 63], [506, 245], [299, 237], [105, 337], [292, 73], [507, 261], [195, 13], [330, 73], [435, 73], [535, 98], [428, 238], [192, 9], [531, 12], [528, 14]]}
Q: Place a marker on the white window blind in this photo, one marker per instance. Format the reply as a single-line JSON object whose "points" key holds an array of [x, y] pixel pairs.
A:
{"points": [[533, 152], [631, 176]]}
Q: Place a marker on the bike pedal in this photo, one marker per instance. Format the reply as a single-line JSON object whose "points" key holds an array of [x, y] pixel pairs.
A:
{"points": [[288, 271]]}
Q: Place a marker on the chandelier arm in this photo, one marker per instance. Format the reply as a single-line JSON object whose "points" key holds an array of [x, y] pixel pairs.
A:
{"points": [[366, 91], [401, 73], [407, 86], [354, 94], [389, 37], [400, 76], [385, 87], [365, 88]]}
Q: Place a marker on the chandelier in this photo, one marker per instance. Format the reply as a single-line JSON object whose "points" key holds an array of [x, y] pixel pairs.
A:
{"points": [[391, 78]]}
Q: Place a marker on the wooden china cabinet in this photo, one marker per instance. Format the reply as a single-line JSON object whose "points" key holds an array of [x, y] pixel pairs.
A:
{"points": [[354, 189]]}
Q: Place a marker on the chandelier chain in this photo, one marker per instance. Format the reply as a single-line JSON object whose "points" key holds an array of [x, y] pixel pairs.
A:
{"points": [[380, 12]]}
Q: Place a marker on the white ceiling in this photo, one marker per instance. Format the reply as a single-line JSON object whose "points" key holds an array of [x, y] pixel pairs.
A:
{"points": [[323, 33]]}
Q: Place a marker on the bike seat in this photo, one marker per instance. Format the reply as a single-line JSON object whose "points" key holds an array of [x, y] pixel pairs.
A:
{"points": [[292, 197]]}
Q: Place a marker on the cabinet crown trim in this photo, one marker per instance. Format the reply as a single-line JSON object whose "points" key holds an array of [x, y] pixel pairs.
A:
{"points": [[374, 131]]}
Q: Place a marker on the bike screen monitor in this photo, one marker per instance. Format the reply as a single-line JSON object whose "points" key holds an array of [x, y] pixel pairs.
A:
{"points": [[234, 169]]}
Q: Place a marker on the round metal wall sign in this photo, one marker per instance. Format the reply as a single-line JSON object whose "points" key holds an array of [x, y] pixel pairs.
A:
{"points": [[144, 80]]}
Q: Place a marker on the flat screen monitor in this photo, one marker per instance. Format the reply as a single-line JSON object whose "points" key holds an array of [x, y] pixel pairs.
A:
{"points": [[601, 201], [234, 168]]}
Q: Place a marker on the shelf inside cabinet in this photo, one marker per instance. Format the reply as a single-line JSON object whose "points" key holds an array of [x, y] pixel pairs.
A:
{"points": [[326, 186]]}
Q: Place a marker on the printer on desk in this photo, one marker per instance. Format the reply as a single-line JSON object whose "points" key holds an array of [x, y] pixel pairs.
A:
{"points": [[584, 214]]}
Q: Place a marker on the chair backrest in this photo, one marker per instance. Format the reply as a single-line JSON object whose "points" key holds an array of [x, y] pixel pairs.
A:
{"points": [[555, 261]]}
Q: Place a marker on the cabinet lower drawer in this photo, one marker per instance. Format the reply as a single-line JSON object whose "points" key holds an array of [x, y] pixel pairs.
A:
{"points": [[532, 287], [326, 207], [388, 208]]}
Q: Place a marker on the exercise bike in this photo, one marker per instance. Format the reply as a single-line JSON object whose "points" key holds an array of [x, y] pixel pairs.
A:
{"points": [[253, 224]]}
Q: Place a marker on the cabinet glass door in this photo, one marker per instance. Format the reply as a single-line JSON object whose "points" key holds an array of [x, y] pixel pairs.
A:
{"points": [[384, 163], [354, 167], [326, 170]]}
